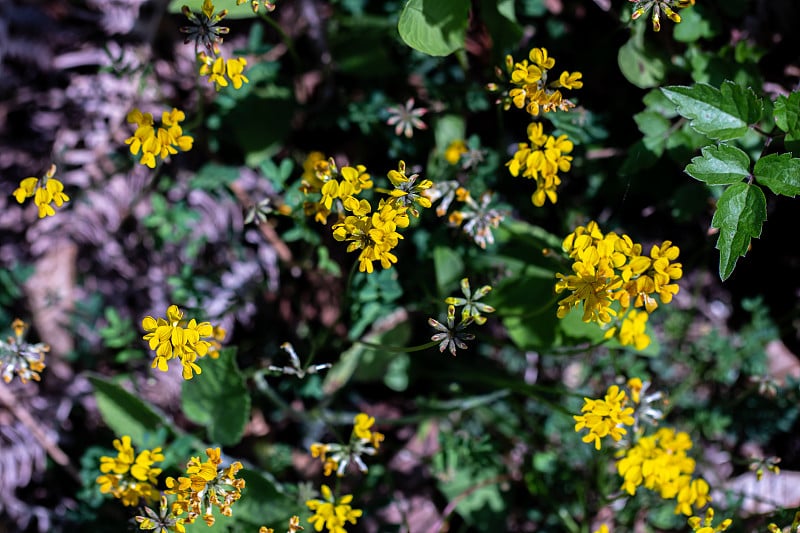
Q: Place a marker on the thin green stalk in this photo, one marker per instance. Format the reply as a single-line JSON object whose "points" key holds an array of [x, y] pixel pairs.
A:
{"points": [[284, 37]]}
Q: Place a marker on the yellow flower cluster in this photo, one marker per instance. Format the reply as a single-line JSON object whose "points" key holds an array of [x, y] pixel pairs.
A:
{"points": [[363, 441], [20, 358], [320, 175], [205, 486], [373, 231], [45, 191], [331, 513], [161, 142], [130, 477], [172, 337], [531, 90], [541, 160], [544, 155], [610, 268], [605, 417], [659, 462], [294, 526]]}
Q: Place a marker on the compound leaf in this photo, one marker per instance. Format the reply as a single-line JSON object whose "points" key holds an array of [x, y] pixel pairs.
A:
{"points": [[723, 113], [720, 165], [779, 172], [741, 211]]}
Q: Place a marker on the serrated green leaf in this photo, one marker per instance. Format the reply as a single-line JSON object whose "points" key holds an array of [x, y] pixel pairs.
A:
{"points": [[723, 113], [741, 211], [720, 165], [779, 172], [787, 113], [125, 413], [218, 399], [434, 27]]}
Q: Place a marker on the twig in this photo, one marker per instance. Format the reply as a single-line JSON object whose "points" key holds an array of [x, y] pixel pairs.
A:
{"points": [[269, 233], [52, 449]]}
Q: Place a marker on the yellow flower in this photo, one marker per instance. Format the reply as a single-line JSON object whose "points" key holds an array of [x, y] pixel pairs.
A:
{"points": [[706, 525], [44, 191], [332, 514], [570, 81], [217, 74], [606, 417], [361, 425], [541, 58], [235, 69], [632, 331], [454, 151]]}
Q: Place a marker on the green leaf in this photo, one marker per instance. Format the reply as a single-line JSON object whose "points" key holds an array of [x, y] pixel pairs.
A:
{"points": [[218, 399], [655, 128], [449, 268], [779, 172], [212, 176], [787, 113], [124, 412], [641, 64], [434, 27], [264, 500], [722, 114], [447, 129], [720, 165], [522, 303], [506, 8], [693, 26], [741, 211]]}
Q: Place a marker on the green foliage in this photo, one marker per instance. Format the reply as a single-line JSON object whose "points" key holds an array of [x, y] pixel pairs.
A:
{"points": [[124, 412], [435, 28], [723, 114], [218, 398], [741, 210], [487, 438], [728, 114], [640, 62], [120, 334], [720, 165], [780, 173]]}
